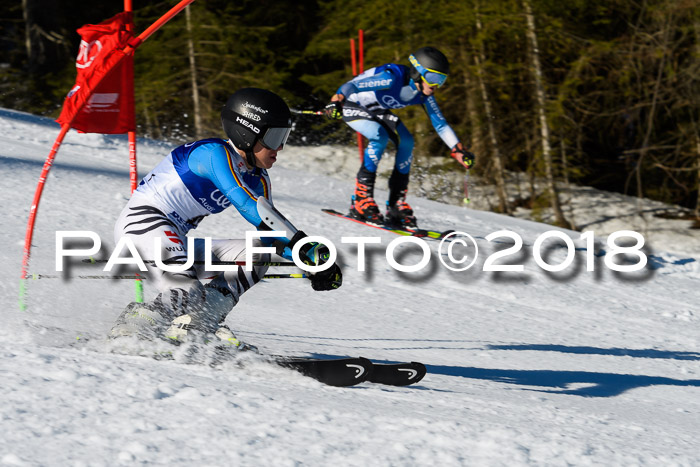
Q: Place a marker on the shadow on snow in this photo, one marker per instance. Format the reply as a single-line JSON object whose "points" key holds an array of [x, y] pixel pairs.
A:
{"points": [[577, 383], [615, 352], [589, 384], [595, 384]]}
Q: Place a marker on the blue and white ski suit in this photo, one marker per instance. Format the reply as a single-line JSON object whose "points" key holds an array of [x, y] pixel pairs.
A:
{"points": [[193, 181], [369, 99]]}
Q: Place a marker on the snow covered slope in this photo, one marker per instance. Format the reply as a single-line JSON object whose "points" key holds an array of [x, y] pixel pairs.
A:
{"points": [[577, 367]]}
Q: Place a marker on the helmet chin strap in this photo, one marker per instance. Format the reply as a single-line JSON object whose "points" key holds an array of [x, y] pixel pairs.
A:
{"points": [[420, 84], [249, 155], [250, 158]]}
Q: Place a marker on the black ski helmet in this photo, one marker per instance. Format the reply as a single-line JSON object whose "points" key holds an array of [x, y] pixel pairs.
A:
{"points": [[427, 59], [251, 115]]}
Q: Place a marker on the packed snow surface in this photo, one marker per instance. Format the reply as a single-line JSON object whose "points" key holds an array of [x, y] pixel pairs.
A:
{"points": [[574, 367]]}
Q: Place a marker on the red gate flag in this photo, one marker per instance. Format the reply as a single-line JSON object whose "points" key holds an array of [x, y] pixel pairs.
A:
{"points": [[102, 100]]}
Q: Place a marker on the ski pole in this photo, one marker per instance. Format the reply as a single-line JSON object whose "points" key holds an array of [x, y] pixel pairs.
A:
{"points": [[136, 276], [307, 112], [466, 199], [215, 263], [285, 276]]}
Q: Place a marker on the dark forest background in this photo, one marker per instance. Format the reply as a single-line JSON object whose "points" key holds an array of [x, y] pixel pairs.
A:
{"points": [[598, 92]]}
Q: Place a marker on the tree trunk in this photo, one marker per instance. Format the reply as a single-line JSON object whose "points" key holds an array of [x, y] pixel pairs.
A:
{"points": [[502, 191], [44, 37], [696, 29], [536, 70], [27, 28], [477, 142], [697, 153], [477, 145], [564, 163], [198, 130], [644, 150]]}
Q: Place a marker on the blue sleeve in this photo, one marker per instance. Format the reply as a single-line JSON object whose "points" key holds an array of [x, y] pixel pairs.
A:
{"points": [[211, 161], [444, 130], [377, 82]]}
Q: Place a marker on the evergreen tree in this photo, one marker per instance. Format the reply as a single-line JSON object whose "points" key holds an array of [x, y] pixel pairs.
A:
{"points": [[619, 79]]}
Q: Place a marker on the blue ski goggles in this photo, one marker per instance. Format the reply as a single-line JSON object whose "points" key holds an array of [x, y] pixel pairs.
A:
{"points": [[275, 138], [432, 78]]}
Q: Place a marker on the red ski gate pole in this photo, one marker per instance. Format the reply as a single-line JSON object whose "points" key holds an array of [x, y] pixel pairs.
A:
{"points": [[133, 172], [355, 58], [33, 210], [361, 42], [65, 127]]}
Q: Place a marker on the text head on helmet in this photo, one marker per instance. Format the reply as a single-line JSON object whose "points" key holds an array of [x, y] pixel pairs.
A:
{"points": [[253, 115]]}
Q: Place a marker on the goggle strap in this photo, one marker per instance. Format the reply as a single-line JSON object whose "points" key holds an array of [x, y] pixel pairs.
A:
{"points": [[423, 70]]}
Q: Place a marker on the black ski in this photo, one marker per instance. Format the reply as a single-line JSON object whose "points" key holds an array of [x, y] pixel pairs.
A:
{"points": [[338, 372], [341, 372], [352, 371], [397, 374], [423, 233]]}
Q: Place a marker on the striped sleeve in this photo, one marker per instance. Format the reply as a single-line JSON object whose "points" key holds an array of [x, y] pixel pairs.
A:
{"points": [[214, 162]]}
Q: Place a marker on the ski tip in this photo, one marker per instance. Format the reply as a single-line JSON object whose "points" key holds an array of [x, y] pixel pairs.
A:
{"points": [[397, 374], [332, 211]]}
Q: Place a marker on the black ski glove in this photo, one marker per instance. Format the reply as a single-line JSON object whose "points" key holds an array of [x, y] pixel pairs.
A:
{"points": [[316, 254], [330, 279], [463, 156], [334, 110]]}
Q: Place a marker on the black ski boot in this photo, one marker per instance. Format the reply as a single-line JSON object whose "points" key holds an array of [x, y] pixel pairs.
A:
{"points": [[399, 213]]}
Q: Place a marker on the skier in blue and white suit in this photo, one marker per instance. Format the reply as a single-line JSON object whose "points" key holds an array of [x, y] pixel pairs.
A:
{"points": [[192, 182], [365, 104]]}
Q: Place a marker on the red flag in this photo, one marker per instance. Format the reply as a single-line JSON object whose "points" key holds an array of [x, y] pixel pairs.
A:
{"points": [[102, 99]]}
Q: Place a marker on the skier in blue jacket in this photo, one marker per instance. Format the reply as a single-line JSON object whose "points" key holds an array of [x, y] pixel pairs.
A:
{"points": [[366, 102], [196, 180]]}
